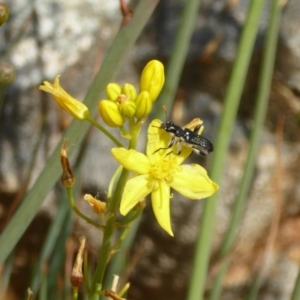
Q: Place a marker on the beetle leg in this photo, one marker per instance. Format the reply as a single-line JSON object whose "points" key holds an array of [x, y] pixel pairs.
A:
{"points": [[171, 143]]}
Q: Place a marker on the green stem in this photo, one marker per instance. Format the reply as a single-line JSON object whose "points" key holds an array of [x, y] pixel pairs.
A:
{"points": [[134, 130], [75, 293], [112, 210], [124, 133], [108, 233], [233, 94], [79, 213], [102, 129], [112, 181]]}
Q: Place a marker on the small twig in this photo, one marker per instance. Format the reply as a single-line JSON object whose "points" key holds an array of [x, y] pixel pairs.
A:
{"points": [[126, 13]]}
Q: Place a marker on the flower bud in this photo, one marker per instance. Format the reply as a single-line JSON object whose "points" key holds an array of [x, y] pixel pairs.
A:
{"points": [[4, 13], [110, 113], [76, 275], [127, 107], [7, 74], [152, 79], [143, 105], [130, 91], [67, 178], [113, 91], [99, 207], [69, 104]]}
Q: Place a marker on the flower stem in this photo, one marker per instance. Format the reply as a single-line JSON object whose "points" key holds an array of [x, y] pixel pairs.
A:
{"points": [[102, 129], [114, 201], [135, 128], [108, 232], [112, 181], [79, 213], [232, 98]]}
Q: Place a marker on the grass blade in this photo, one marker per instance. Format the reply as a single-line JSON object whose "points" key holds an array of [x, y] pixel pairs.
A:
{"points": [[259, 117], [231, 102]]}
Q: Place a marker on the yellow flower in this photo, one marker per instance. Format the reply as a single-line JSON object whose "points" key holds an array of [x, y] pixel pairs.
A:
{"points": [[152, 78], [158, 173], [71, 105]]}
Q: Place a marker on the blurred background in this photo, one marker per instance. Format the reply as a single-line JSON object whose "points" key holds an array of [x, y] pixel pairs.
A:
{"points": [[44, 38]]}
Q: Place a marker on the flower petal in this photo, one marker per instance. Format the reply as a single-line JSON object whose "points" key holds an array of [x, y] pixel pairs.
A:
{"points": [[135, 190], [161, 206], [71, 105], [132, 160], [158, 138], [193, 182]]}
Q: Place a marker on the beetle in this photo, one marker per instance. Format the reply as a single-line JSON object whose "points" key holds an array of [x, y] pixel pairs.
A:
{"points": [[189, 135]]}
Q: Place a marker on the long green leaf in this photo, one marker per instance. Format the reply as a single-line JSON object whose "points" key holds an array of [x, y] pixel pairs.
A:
{"points": [[113, 61], [178, 56], [232, 98], [50, 241]]}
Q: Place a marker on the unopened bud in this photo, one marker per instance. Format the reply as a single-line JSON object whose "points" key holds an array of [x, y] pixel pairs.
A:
{"points": [[152, 79], [113, 91], [4, 13], [143, 105], [67, 178], [99, 207], [110, 113], [127, 107], [130, 91], [76, 275], [7, 74]]}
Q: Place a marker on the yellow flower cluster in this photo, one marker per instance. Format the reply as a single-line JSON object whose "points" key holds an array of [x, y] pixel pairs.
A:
{"points": [[124, 102]]}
